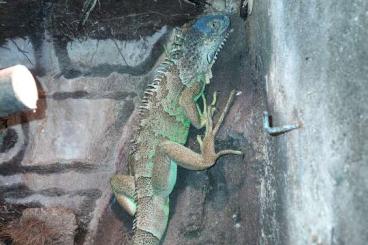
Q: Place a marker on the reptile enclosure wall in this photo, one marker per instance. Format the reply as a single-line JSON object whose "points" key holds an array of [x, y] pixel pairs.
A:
{"points": [[303, 61]]}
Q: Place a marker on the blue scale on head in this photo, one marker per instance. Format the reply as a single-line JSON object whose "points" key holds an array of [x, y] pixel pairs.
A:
{"points": [[202, 42], [202, 23]]}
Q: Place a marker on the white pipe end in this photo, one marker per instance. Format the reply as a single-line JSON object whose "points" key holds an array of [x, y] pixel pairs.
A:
{"points": [[24, 86]]}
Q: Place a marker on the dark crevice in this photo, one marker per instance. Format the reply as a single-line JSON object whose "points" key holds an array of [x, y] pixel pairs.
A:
{"points": [[22, 191], [84, 212], [80, 94], [65, 64], [16, 191], [69, 95], [12, 168], [218, 192], [8, 139], [15, 162]]}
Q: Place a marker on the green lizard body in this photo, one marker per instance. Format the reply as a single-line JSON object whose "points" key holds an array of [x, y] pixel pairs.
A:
{"points": [[168, 109]]}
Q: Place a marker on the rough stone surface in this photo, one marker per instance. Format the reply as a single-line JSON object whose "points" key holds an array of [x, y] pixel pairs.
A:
{"points": [[64, 154], [129, 53]]}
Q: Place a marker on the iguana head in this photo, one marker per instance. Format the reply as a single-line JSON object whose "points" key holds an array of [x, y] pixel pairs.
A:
{"points": [[200, 45]]}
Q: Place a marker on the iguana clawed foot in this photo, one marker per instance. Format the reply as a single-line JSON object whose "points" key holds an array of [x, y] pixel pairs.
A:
{"points": [[211, 129], [208, 110], [189, 159]]}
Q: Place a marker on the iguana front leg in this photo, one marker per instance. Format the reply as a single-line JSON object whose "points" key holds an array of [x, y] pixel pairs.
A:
{"points": [[189, 159], [188, 100]]}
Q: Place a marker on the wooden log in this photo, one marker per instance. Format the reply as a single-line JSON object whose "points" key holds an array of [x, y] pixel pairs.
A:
{"points": [[18, 90]]}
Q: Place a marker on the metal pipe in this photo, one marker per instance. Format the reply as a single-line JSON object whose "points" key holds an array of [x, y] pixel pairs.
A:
{"points": [[18, 90]]}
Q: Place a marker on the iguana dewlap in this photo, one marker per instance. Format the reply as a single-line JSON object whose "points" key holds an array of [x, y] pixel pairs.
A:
{"points": [[168, 109]]}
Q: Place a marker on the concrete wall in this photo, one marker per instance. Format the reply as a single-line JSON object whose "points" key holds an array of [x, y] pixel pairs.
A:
{"points": [[312, 58]]}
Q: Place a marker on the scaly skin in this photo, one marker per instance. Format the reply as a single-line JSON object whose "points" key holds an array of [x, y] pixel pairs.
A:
{"points": [[168, 109]]}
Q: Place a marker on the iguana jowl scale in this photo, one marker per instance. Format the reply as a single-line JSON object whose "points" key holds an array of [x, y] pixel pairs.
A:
{"points": [[168, 108]]}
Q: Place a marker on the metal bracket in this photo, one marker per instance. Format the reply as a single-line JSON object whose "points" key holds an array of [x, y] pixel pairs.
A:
{"points": [[274, 131]]}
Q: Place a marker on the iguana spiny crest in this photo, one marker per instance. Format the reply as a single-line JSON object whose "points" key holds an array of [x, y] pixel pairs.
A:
{"points": [[193, 51], [168, 108]]}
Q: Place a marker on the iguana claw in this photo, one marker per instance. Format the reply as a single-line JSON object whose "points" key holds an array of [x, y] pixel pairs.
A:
{"points": [[208, 110], [211, 129]]}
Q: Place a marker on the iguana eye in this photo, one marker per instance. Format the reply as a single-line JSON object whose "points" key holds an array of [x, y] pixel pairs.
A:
{"points": [[214, 25]]}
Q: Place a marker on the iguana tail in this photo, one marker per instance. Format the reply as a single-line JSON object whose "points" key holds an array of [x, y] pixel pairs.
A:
{"points": [[142, 237], [151, 219]]}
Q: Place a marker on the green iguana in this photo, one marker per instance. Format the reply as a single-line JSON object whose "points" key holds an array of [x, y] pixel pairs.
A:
{"points": [[168, 109]]}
